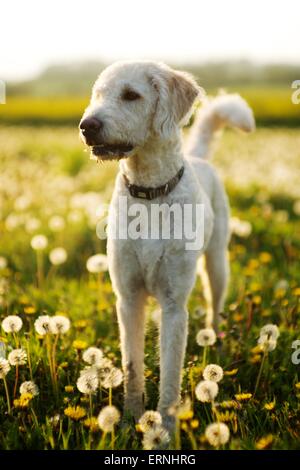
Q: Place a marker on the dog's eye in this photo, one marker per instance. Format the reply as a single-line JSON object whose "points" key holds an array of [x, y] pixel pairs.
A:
{"points": [[130, 95]]}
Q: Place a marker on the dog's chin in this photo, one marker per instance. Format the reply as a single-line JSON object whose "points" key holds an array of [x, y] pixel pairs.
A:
{"points": [[103, 152]]}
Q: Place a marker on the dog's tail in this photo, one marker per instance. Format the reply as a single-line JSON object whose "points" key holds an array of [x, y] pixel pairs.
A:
{"points": [[215, 114]]}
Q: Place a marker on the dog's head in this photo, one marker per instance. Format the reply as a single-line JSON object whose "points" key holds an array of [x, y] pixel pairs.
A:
{"points": [[133, 102]]}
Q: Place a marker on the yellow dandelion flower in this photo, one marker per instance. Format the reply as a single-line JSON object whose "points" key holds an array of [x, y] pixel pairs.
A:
{"points": [[69, 388], [64, 365], [91, 424], [297, 291], [184, 426], [257, 349], [23, 401], [279, 293], [257, 299], [75, 412], [285, 302], [227, 416], [253, 264], [243, 396], [231, 372], [81, 324], [264, 442], [269, 406], [194, 423], [138, 428], [228, 404], [237, 317], [255, 359], [79, 344], [297, 385], [265, 257], [24, 299], [255, 286], [148, 373], [29, 310]]}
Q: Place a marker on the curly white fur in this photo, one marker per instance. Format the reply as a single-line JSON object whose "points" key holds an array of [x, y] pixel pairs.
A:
{"points": [[163, 268]]}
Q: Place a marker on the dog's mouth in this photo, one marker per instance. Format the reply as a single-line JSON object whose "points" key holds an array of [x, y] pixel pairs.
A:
{"points": [[111, 151]]}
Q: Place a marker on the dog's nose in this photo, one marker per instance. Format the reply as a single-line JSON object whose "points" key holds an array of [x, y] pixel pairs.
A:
{"points": [[90, 126]]}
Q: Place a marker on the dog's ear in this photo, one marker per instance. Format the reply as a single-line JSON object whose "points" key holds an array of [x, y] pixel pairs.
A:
{"points": [[177, 92]]}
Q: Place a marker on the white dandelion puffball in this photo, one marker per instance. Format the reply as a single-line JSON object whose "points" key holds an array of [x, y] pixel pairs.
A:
{"points": [[271, 331], [17, 357], [112, 379], [42, 325], [56, 223], [92, 356], [4, 368], [29, 387], [108, 417], [59, 324], [58, 256], [217, 434], [32, 225], [213, 372], [156, 438], [267, 343], [206, 337], [206, 391], [88, 382], [12, 324], [3, 262], [39, 242], [149, 420], [239, 227], [97, 264]]}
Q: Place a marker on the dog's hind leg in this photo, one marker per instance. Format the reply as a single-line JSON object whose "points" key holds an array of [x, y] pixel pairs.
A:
{"points": [[131, 317], [216, 272]]}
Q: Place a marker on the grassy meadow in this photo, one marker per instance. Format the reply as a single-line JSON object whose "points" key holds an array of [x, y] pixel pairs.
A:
{"points": [[49, 187]]}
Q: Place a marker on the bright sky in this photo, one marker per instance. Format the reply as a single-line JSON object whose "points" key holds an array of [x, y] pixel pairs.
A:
{"points": [[35, 33]]}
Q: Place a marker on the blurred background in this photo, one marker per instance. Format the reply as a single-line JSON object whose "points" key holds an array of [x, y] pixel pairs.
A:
{"points": [[52, 51]]}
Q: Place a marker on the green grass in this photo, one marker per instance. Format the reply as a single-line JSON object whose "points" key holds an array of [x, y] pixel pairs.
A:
{"points": [[45, 172]]}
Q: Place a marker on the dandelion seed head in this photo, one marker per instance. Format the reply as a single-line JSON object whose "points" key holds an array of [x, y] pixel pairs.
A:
{"points": [[149, 420], [217, 434], [92, 356], [42, 325], [59, 324], [58, 256], [39, 242], [97, 263], [112, 379], [206, 391], [206, 337], [4, 368], [17, 357], [271, 331], [267, 343], [56, 223], [12, 324], [108, 417], [213, 372], [88, 383], [29, 387], [156, 438]]}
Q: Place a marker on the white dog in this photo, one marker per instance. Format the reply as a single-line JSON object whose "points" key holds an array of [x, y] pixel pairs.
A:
{"points": [[135, 115]]}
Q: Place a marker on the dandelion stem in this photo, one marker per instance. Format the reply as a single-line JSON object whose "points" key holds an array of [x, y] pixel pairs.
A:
{"points": [[16, 381], [110, 396], [54, 360], [177, 435], [16, 340], [40, 269], [204, 357], [7, 396], [29, 359], [113, 439], [260, 371], [91, 405]]}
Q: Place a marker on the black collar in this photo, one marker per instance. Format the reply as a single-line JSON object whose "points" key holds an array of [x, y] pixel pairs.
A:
{"points": [[151, 193]]}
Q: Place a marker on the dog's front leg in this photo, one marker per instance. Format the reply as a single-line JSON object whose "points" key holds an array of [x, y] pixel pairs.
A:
{"points": [[131, 323], [173, 337]]}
